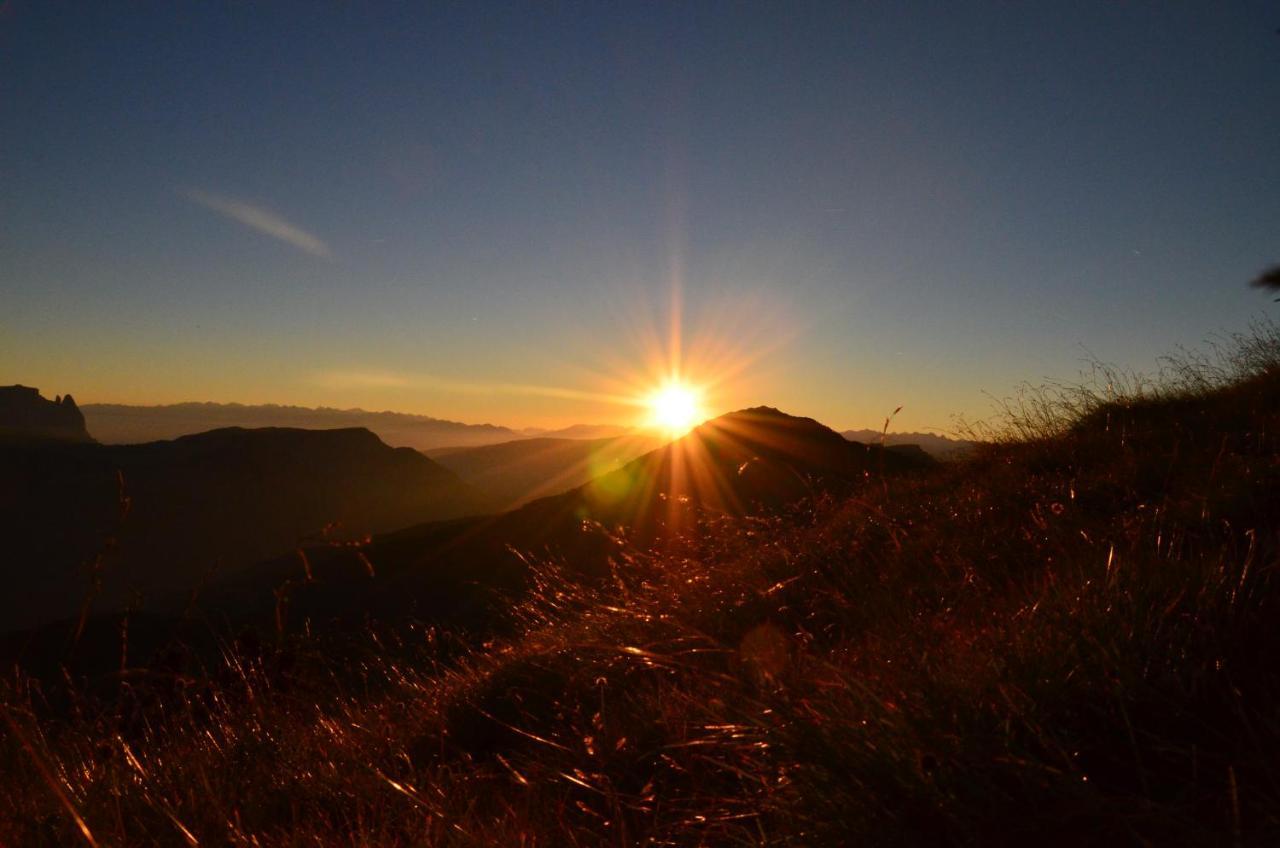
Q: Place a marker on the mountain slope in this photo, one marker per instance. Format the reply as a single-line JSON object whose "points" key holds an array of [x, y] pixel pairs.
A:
{"points": [[749, 461], [158, 516], [519, 471]]}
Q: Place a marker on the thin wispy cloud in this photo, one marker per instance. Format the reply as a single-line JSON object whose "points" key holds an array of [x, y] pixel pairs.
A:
{"points": [[262, 220], [361, 380]]}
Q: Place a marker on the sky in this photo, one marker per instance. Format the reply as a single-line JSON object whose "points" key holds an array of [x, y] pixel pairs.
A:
{"points": [[529, 214]]}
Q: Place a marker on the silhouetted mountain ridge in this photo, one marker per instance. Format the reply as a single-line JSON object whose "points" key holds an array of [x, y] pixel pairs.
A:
{"points": [[753, 459], [26, 414]]}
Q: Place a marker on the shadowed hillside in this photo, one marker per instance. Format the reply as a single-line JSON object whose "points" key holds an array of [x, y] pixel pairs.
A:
{"points": [[519, 471], [83, 520], [742, 463]]}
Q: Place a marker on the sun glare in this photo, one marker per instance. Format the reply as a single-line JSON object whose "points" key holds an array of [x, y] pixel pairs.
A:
{"points": [[675, 408]]}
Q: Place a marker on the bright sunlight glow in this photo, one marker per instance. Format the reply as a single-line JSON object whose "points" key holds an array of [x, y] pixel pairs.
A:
{"points": [[675, 408]]}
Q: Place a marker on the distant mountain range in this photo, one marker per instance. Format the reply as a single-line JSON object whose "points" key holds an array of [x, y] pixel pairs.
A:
{"points": [[580, 431], [112, 423], [115, 424], [937, 446], [151, 520]]}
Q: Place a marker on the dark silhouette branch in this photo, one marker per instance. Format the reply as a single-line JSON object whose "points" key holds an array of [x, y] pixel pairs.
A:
{"points": [[1268, 279]]}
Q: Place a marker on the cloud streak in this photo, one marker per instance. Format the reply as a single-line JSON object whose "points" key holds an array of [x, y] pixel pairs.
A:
{"points": [[263, 220]]}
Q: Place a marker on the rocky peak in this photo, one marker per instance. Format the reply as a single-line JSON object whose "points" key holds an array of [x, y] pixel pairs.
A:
{"points": [[25, 414]]}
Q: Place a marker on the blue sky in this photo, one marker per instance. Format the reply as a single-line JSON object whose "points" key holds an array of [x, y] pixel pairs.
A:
{"points": [[481, 211]]}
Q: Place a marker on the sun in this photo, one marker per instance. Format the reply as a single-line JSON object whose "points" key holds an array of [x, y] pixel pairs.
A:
{"points": [[675, 408]]}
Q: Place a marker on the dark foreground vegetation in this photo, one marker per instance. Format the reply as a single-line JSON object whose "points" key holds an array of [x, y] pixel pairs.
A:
{"points": [[1070, 638]]}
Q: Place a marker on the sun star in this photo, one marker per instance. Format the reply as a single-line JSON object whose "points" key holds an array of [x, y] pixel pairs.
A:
{"points": [[675, 408]]}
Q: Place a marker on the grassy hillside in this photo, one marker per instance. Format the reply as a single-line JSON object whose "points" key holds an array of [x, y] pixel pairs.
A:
{"points": [[1069, 638]]}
